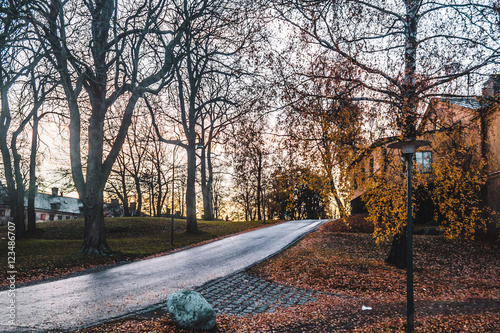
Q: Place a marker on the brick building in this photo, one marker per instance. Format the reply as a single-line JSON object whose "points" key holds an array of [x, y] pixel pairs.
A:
{"points": [[475, 120]]}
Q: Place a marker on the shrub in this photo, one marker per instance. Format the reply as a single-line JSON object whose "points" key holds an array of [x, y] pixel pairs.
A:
{"points": [[457, 195]]}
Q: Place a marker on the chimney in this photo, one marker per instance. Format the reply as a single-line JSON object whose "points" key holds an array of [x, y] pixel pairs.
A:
{"points": [[54, 191], [492, 86]]}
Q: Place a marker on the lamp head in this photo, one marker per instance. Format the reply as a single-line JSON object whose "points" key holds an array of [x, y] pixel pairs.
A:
{"points": [[409, 146]]}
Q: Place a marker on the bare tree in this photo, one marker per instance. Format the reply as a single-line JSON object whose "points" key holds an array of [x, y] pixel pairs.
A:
{"points": [[135, 150], [229, 106], [404, 52], [129, 51], [322, 122], [40, 86], [209, 48], [157, 178], [118, 183], [249, 158], [19, 55]]}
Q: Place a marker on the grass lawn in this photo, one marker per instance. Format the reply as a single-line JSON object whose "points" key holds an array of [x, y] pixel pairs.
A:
{"points": [[457, 288], [53, 250]]}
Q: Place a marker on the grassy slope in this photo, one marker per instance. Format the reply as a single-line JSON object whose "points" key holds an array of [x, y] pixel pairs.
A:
{"points": [[53, 251]]}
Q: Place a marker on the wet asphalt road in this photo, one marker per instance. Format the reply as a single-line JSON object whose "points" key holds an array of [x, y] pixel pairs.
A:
{"points": [[99, 296]]}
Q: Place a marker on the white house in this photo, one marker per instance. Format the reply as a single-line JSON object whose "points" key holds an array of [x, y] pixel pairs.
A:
{"points": [[48, 207]]}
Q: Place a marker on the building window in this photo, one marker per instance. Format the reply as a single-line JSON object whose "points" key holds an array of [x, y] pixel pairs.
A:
{"points": [[55, 206], [67, 217], [385, 159], [51, 217], [59, 217], [423, 161], [42, 217], [2, 212]]}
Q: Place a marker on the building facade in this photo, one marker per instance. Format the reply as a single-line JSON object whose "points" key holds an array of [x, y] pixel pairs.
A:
{"points": [[474, 121], [48, 207]]}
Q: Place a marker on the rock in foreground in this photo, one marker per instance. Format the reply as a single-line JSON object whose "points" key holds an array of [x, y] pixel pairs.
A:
{"points": [[190, 310]]}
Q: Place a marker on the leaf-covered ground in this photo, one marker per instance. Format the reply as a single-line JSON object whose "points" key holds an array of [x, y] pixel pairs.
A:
{"points": [[457, 288]]}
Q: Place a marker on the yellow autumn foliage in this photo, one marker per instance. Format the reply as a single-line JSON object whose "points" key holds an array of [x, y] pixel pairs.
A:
{"points": [[457, 196], [386, 202], [455, 186], [386, 208]]}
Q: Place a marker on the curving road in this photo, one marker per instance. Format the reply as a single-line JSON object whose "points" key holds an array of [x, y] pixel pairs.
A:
{"points": [[99, 296]]}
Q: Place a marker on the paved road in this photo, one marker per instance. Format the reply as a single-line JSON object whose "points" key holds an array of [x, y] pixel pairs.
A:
{"points": [[99, 296]]}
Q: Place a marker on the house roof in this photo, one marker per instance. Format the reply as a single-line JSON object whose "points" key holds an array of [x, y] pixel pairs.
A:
{"points": [[469, 103], [49, 202]]}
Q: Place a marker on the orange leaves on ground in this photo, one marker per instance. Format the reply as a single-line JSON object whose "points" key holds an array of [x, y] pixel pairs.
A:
{"points": [[455, 283], [337, 263], [456, 289]]}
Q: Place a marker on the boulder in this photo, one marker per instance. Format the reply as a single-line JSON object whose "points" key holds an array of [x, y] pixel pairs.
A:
{"points": [[190, 310]]}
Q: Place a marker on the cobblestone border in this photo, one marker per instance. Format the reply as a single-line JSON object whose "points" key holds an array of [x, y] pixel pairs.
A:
{"points": [[242, 293]]}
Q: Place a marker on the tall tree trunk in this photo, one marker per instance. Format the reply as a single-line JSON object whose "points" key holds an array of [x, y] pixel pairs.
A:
{"points": [[338, 201], [139, 195], [16, 214], [19, 179], [124, 196], [410, 98], [259, 186], [159, 200], [94, 242], [152, 206], [210, 181], [94, 239], [32, 172], [191, 223], [397, 253], [216, 205], [182, 197], [248, 213], [205, 187], [211, 201]]}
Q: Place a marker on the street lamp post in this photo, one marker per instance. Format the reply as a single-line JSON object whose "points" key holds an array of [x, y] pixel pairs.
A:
{"points": [[409, 148], [201, 147]]}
